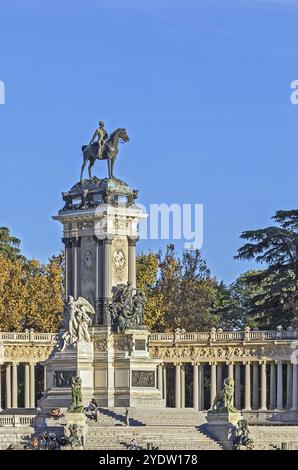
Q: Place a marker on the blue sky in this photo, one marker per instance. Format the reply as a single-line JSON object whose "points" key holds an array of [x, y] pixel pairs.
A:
{"points": [[203, 88]]}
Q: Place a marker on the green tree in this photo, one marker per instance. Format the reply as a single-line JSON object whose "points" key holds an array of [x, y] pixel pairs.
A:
{"points": [[277, 248], [240, 303], [9, 245], [189, 292]]}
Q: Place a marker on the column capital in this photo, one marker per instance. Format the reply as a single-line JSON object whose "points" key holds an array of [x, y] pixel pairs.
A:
{"points": [[132, 241], [76, 242], [213, 363], [279, 362], [108, 240], [67, 242], [98, 240], [230, 363]]}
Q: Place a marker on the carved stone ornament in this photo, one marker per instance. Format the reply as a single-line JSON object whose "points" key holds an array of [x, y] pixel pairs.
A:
{"points": [[118, 260], [88, 260]]}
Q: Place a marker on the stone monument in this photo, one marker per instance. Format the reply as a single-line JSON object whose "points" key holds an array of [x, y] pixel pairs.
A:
{"points": [[102, 338]]}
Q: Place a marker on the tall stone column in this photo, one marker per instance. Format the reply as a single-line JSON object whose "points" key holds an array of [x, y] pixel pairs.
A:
{"points": [[289, 385], [68, 267], [99, 256], [182, 371], [218, 377], [75, 264], [295, 388], [231, 370], [160, 378], [132, 260], [202, 386], [279, 386], [44, 378], [237, 386], [195, 386], [27, 386], [165, 382], [177, 385], [107, 280], [263, 386], [32, 385], [14, 385], [255, 386], [8, 386], [247, 387], [272, 386], [213, 384]]}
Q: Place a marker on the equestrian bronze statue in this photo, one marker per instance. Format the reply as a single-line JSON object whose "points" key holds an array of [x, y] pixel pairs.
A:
{"points": [[103, 147]]}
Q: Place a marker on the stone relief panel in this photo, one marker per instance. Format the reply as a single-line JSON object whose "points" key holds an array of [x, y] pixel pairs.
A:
{"points": [[88, 268], [143, 378], [119, 261], [62, 378]]}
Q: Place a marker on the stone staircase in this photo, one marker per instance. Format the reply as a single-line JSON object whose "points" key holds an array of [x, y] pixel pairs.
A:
{"points": [[168, 429], [271, 437], [151, 417]]}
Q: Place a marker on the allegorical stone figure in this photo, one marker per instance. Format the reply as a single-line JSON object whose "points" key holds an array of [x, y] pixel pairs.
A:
{"points": [[127, 308], [242, 436], [102, 147], [76, 321], [223, 401]]}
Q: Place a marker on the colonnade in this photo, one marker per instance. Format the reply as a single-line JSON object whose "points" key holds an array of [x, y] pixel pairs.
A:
{"points": [[259, 385], [10, 393]]}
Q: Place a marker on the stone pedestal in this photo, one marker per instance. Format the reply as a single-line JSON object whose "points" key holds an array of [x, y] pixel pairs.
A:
{"points": [[124, 373], [222, 427], [61, 367]]}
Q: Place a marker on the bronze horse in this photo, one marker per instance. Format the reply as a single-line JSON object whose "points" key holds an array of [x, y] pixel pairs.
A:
{"points": [[109, 152]]}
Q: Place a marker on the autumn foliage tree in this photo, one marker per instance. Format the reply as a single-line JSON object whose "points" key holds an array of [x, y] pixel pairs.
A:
{"points": [[30, 292], [180, 291]]}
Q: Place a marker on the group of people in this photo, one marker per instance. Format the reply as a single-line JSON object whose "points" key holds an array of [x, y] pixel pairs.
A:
{"points": [[48, 441]]}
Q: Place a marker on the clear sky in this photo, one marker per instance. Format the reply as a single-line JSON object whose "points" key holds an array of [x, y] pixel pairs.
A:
{"points": [[203, 88]]}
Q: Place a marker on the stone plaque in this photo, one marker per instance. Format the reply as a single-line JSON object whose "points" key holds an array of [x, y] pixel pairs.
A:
{"points": [[62, 378], [140, 345], [143, 378]]}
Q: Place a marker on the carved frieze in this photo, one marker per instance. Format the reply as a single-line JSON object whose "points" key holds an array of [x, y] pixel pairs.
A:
{"points": [[28, 352], [197, 353]]}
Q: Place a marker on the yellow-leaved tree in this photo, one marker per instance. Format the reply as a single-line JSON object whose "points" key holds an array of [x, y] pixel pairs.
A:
{"points": [[147, 274], [31, 294]]}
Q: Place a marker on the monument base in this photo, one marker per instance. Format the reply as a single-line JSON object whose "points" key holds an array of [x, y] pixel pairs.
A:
{"points": [[115, 368], [222, 427]]}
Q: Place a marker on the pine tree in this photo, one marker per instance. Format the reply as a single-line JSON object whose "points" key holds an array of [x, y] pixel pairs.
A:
{"points": [[276, 247]]}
